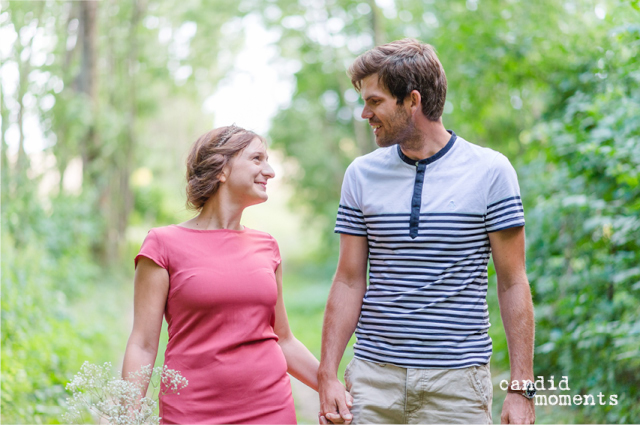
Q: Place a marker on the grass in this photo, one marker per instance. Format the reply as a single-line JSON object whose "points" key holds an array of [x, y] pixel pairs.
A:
{"points": [[305, 295]]}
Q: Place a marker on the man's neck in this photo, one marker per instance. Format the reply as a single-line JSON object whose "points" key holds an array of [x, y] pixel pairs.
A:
{"points": [[432, 136]]}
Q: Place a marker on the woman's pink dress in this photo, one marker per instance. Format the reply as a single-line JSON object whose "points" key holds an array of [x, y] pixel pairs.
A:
{"points": [[220, 313]]}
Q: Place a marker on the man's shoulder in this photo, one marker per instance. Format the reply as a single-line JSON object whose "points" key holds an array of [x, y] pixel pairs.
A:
{"points": [[479, 153], [380, 154], [381, 158]]}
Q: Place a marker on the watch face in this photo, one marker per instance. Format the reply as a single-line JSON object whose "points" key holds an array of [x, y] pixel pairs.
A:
{"points": [[530, 390]]}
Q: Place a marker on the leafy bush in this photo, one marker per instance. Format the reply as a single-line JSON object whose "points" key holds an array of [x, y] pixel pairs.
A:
{"points": [[583, 229], [46, 263]]}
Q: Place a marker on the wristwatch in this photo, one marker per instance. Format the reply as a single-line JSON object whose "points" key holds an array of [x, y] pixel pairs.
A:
{"points": [[529, 390]]}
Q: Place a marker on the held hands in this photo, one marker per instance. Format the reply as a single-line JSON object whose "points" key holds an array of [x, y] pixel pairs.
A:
{"points": [[335, 418], [335, 403], [517, 410]]}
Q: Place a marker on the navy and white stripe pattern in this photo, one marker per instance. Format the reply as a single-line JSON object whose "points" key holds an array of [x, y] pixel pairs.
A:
{"points": [[350, 221], [425, 306], [504, 214]]}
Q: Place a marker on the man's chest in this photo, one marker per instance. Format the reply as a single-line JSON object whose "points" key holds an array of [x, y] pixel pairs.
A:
{"points": [[451, 191]]}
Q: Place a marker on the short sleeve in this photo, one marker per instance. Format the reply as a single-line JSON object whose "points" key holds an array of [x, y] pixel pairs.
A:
{"points": [[504, 205], [277, 259], [153, 249], [350, 219]]}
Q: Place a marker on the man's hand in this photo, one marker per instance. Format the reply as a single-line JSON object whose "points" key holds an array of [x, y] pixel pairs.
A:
{"points": [[334, 402], [518, 410], [335, 417]]}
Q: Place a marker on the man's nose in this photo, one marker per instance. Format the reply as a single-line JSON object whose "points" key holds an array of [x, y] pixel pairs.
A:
{"points": [[366, 113]]}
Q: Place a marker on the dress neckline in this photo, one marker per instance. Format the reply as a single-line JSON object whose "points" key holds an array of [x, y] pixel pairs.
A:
{"points": [[244, 229]]}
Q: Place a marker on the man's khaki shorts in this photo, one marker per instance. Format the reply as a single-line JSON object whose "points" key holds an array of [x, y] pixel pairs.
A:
{"points": [[387, 394]]}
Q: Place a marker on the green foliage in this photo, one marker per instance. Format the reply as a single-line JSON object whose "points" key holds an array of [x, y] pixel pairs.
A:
{"points": [[305, 295], [583, 228], [47, 268], [41, 342]]}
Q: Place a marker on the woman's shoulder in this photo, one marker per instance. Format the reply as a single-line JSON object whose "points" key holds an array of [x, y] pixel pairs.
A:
{"points": [[259, 234], [166, 233], [163, 230]]}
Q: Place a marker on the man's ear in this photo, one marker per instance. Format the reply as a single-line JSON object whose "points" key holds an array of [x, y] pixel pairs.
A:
{"points": [[414, 100]]}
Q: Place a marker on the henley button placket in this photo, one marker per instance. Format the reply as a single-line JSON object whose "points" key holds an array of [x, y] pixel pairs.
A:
{"points": [[416, 200], [421, 167]]}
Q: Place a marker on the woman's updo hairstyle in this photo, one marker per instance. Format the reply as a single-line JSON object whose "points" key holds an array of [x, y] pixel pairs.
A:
{"points": [[208, 156]]}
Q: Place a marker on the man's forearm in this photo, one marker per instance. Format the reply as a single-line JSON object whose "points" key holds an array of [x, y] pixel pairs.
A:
{"points": [[516, 309], [340, 320]]}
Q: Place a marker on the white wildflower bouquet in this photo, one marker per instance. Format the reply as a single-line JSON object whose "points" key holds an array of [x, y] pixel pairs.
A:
{"points": [[119, 401]]}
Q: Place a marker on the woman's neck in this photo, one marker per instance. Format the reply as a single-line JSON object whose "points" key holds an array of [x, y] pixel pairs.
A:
{"points": [[217, 213]]}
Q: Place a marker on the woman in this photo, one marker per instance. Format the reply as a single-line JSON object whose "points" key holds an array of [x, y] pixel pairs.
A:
{"points": [[219, 286]]}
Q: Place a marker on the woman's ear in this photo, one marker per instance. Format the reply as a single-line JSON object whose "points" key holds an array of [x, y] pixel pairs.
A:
{"points": [[224, 173]]}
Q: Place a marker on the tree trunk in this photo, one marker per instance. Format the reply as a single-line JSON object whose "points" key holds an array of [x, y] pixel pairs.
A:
{"points": [[87, 85], [122, 201], [62, 149], [24, 69], [4, 116], [377, 24]]}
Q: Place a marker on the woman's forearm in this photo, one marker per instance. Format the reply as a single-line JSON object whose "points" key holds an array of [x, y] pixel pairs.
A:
{"points": [[135, 357], [301, 364]]}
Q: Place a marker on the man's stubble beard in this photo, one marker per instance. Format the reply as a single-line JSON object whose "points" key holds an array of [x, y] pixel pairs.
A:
{"points": [[404, 131]]}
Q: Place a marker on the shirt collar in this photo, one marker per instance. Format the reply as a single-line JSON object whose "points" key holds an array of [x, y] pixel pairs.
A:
{"points": [[432, 158]]}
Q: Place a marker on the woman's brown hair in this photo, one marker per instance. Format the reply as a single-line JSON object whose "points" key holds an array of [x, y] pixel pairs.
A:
{"points": [[208, 156], [403, 66]]}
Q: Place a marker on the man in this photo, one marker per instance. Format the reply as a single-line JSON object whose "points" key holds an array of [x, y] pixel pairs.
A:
{"points": [[426, 210]]}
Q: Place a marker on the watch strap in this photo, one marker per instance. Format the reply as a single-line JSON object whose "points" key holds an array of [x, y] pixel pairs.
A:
{"points": [[522, 391]]}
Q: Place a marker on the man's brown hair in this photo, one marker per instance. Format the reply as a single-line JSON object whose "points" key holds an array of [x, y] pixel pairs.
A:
{"points": [[403, 66]]}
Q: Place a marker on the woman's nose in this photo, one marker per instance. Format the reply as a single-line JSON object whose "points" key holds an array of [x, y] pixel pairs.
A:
{"points": [[269, 172]]}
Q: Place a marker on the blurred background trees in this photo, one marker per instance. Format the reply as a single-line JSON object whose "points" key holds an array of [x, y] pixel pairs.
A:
{"points": [[101, 100]]}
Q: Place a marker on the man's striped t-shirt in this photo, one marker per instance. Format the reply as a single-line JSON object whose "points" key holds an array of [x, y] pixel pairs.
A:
{"points": [[427, 224]]}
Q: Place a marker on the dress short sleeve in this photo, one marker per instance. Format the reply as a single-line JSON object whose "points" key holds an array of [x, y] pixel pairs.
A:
{"points": [[350, 219], [504, 205], [277, 259], [153, 249]]}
